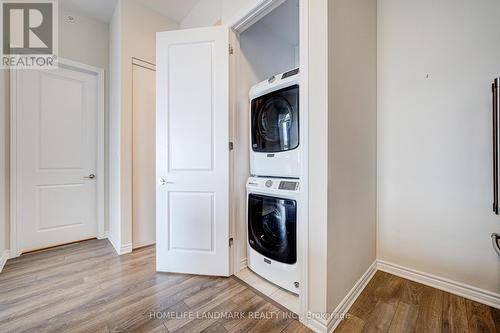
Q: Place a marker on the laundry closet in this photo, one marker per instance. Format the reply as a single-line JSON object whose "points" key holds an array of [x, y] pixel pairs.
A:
{"points": [[230, 156], [268, 154]]}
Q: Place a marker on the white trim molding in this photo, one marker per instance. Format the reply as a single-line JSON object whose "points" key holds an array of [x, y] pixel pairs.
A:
{"points": [[476, 294], [124, 249], [3, 259], [252, 13], [453, 287], [105, 235], [120, 250], [351, 297], [330, 324]]}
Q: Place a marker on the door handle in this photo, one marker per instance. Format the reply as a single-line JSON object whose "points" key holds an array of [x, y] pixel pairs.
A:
{"points": [[164, 182], [91, 176]]}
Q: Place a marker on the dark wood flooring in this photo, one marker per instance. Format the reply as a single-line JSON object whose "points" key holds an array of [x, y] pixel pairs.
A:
{"points": [[392, 304], [86, 287]]}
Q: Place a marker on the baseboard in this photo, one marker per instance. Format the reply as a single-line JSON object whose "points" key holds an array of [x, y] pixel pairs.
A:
{"points": [[3, 259], [105, 235], [315, 324], [319, 324], [453, 287], [351, 297], [127, 248]]}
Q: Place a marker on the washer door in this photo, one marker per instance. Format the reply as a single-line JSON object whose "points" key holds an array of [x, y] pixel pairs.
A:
{"points": [[272, 229], [275, 121]]}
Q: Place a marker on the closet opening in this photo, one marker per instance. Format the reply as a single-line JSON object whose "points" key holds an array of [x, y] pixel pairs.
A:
{"points": [[268, 164]]}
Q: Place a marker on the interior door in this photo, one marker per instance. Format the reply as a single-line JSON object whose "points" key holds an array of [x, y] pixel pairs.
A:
{"points": [[192, 209], [56, 118], [144, 154]]}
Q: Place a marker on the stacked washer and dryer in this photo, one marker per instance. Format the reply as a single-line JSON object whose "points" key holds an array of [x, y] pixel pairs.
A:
{"points": [[273, 190]]}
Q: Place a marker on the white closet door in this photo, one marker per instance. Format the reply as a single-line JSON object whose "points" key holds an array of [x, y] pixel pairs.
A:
{"points": [[144, 155], [192, 221], [56, 116]]}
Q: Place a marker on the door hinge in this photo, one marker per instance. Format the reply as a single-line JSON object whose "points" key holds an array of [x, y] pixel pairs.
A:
{"points": [[231, 146], [231, 50], [231, 241]]}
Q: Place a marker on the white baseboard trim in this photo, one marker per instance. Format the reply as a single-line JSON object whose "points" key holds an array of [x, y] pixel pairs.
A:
{"points": [[351, 297], [120, 249], [127, 248], [453, 287], [316, 324], [3, 259], [105, 235], [329, 325], [114, 242]]}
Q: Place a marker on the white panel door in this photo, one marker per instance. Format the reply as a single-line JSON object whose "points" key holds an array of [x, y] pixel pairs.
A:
{"points": [[57, 141], [144, 156], [192, 209]]}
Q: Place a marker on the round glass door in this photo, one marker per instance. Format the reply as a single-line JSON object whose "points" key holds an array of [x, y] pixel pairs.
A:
{"points": [[275, 121], [272, 227]]}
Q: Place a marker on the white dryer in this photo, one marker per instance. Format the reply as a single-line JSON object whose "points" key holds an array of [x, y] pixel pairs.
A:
{"points": [[273, 206], [275, 127]]}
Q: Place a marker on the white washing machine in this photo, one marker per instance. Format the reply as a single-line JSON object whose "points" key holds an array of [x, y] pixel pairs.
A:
{"points": [[274, 126], [272, 223]]}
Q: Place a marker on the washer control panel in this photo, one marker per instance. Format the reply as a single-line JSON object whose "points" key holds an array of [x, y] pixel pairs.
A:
{"points": [[289, 185], [275, 184]]}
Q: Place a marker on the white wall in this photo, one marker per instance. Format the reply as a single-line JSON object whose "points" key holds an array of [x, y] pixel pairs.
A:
{"points": [[435, 175], [134, 36], [208, 12], [269, 46], [204, 14], [318, 154], [84, 41], [115, 63], [352, 176], [231, 8]]}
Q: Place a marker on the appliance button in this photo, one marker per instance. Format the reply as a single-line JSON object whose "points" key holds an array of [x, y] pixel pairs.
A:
{"points": [[269, 183]]}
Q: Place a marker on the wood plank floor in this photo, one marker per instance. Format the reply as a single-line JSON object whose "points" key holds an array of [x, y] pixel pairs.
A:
{"points": [[86, 287], [392, 304]]}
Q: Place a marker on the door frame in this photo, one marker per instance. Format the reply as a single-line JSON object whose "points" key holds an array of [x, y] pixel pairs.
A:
{"points": [[15, 236], [152, 67], [256, 10]]}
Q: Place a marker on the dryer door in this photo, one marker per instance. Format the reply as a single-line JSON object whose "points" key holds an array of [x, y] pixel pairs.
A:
{"points": [[272, 228], [275, 121]]}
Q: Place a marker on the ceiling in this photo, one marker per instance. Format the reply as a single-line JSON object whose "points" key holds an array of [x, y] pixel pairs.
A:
{"points": [[173, 9], [102, 10]]}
